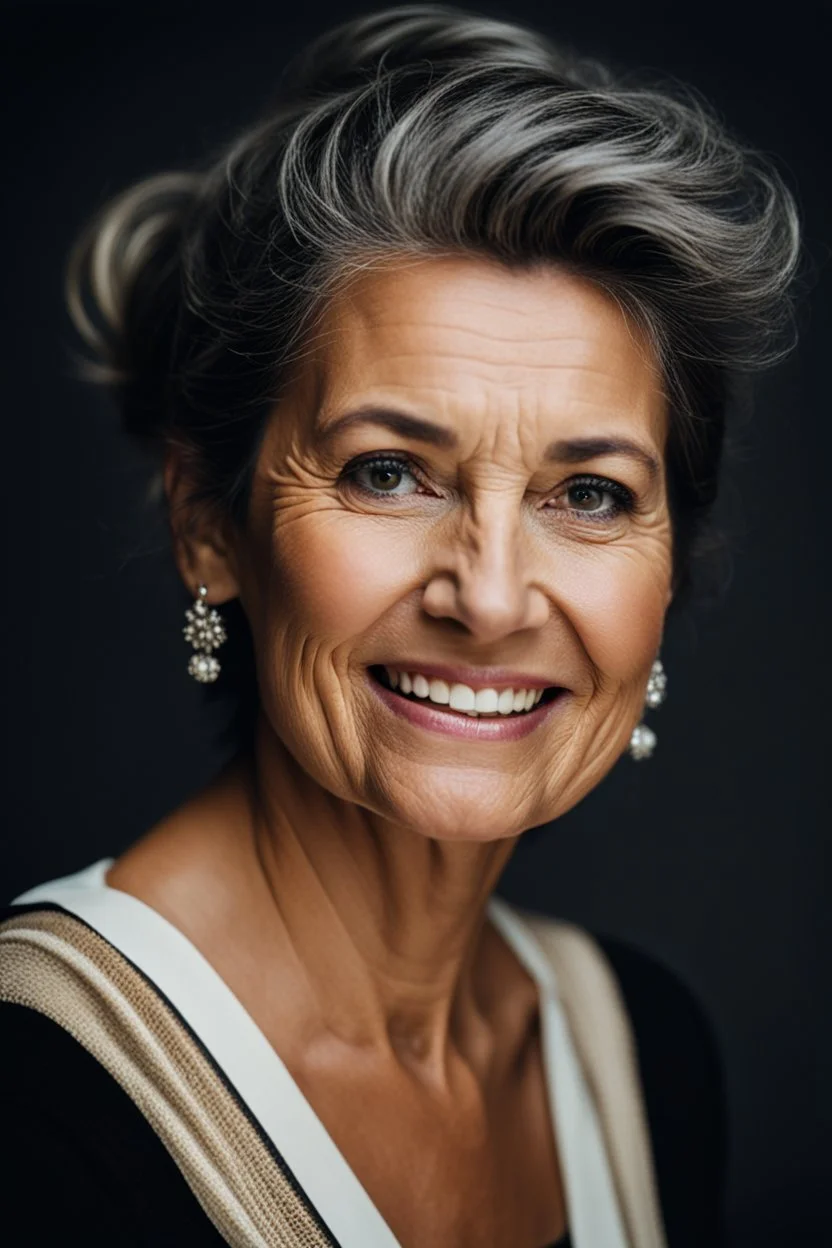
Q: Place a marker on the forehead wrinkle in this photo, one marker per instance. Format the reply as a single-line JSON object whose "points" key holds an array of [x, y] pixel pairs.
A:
{"points": [[545, 325], [520, 366], [365, 325], [617, 354], [533, 329], [609, 385], [603, 357], [584, 346]]}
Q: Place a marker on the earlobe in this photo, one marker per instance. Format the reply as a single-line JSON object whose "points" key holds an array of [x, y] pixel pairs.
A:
{"points": [[200, 535]]}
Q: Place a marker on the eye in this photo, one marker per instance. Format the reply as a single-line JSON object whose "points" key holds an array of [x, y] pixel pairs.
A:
{"points": [[382, 474], [587, 494]]}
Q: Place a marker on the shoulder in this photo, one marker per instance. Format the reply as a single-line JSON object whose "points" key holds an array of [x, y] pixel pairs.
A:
{"points": [[683, 1082], [75, 1134], [674, 1033], [679, 1067]]}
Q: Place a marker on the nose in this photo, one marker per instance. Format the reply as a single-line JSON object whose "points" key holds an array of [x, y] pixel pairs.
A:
{"points": [[483, 574]]}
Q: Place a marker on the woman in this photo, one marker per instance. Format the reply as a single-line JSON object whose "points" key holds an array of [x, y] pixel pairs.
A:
{"points": [[436, 358]]}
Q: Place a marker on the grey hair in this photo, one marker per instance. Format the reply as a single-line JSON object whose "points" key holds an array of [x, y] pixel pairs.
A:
{"points": [[426, 130]]}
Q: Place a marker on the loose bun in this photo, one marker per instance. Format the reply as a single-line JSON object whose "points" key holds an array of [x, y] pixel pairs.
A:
{"points": [[125, 267]]}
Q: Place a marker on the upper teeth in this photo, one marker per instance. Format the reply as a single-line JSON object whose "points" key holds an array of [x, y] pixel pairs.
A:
{"points": [[462, 697]]}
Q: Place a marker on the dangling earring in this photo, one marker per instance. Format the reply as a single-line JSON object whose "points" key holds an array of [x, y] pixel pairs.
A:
{"points": [[205, 632], [643, 740]]}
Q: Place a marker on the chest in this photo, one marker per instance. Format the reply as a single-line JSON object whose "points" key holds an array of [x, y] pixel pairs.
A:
{"points": [[457, 1164]]}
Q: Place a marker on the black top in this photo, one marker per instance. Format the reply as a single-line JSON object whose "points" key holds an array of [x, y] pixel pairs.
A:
{"points": [[83, 1166]]}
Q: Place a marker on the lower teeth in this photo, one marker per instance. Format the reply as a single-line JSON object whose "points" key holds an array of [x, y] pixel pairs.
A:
{"points": [[473, 714]]}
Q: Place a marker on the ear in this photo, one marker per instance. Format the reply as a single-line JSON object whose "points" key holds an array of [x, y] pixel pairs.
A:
{"points": [[201, 535]]}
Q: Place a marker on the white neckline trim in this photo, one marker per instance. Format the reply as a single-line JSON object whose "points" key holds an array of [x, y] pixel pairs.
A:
{"points": [[260, 1077]]}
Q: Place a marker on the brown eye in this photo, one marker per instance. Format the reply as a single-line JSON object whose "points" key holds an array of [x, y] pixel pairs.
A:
{"points": [[383, 478], [586, 497], [383, 475]]}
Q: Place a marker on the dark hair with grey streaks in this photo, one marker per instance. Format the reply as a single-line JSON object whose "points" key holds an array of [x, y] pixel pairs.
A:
{"points": [[426, 130]]}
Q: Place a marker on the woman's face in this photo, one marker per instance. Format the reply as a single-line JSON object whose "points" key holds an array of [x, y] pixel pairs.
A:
{"points": [[493, 533]]}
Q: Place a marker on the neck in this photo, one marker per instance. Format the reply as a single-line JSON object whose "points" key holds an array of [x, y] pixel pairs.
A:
{"points": [[383, 926]]}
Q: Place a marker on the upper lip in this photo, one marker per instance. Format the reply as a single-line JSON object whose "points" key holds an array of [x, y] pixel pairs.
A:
{"points": [[475, 677]]}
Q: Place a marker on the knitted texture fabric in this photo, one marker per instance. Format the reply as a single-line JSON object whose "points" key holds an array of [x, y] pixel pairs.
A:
{"points": [[54, 963]]}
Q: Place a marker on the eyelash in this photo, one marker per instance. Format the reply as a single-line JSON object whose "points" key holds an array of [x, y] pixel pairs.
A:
{"points": [[625, 501]]}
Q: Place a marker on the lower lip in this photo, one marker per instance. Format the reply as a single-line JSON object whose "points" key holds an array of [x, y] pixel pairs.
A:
{"points": [[457, 724]]}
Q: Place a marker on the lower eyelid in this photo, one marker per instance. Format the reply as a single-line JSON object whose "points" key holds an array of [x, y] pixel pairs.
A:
{"points": [[607, 516]]}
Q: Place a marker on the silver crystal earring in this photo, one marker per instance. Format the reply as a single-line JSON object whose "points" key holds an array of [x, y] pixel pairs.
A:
{"points": [[643, 740], [205, 631]]}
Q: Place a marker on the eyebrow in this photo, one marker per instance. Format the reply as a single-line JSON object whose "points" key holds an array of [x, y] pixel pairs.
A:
{"points": [[564, 450]]}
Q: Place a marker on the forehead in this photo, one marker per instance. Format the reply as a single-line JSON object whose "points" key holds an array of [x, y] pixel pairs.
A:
{"points": [[474, 340]]}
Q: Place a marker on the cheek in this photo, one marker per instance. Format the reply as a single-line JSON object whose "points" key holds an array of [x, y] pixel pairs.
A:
{"points": [[336, 574], [617, 605]]}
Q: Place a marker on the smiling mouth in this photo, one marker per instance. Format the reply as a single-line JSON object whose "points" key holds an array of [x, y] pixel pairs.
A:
{"points": [[379, 674]]}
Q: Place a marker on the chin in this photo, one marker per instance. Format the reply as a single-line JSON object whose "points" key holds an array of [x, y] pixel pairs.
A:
{"points": [[477, 816]]}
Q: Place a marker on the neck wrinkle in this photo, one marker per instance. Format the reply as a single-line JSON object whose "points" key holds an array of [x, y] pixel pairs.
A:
{"points": [[385, 925]]}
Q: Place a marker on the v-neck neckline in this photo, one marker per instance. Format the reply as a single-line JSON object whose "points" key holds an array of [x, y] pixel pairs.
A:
{"points": [[182, 973]]}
